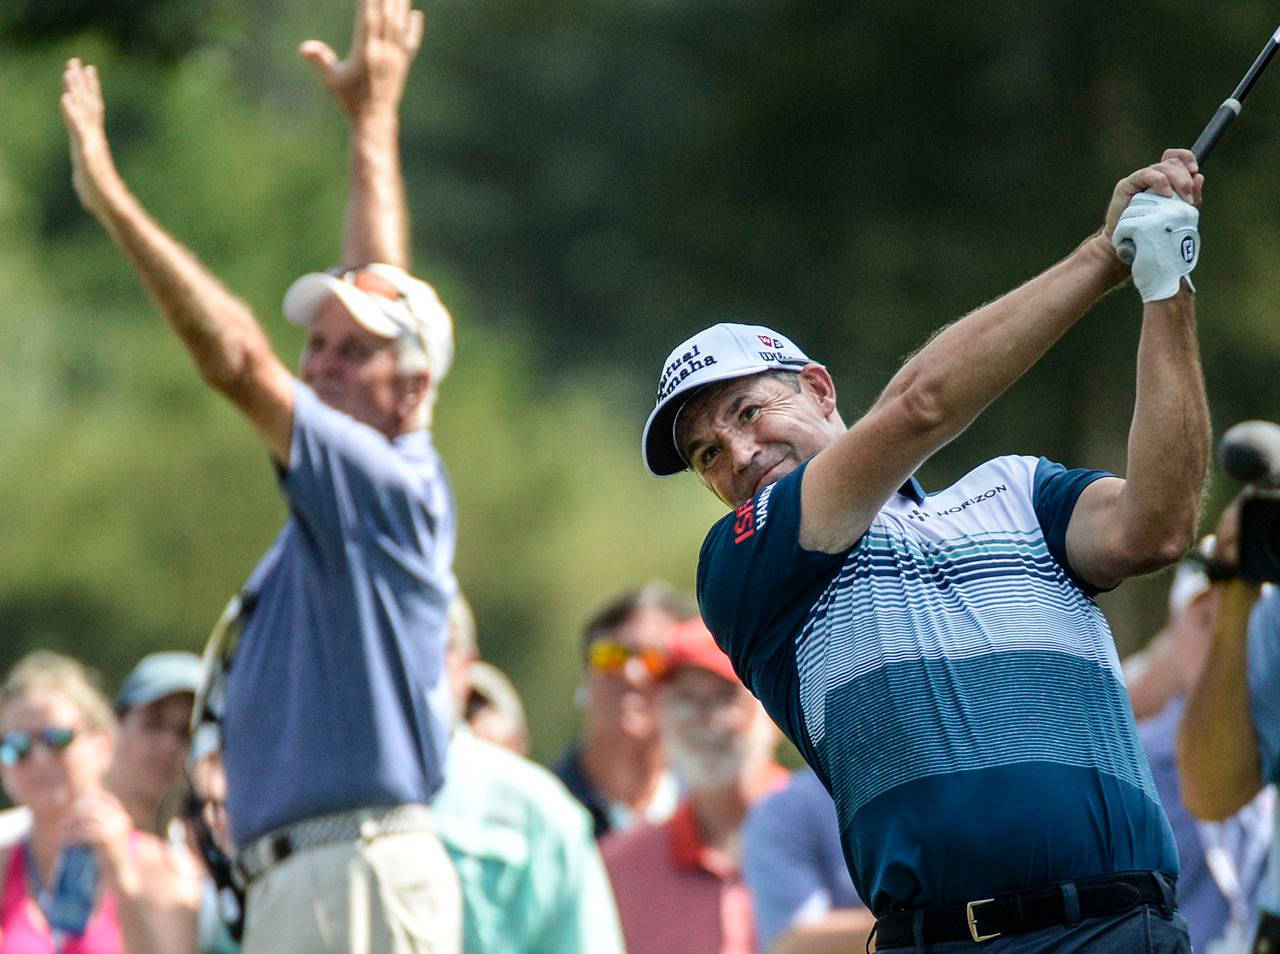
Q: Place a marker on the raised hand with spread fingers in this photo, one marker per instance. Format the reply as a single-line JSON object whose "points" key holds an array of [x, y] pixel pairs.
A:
{"points": [[387, 36], [368, 86]]}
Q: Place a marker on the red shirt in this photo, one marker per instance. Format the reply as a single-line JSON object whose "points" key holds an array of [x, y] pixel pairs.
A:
{"points": [[676, 893]]}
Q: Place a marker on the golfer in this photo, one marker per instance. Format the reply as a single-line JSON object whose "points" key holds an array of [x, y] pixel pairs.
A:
{"points": [[939, 659]]}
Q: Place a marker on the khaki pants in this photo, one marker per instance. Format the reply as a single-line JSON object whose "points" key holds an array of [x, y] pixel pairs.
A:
{"points": [[386, 894]]}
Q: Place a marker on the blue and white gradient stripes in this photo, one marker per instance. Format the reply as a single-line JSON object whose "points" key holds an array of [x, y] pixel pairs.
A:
{"points": [[942, 647]]}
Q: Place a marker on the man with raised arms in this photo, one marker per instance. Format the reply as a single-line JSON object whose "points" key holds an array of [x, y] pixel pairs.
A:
{"points": [[337, 708]]}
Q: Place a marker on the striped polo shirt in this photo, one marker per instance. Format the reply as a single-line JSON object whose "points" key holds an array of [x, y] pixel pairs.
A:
{"points": [[952, 683]]}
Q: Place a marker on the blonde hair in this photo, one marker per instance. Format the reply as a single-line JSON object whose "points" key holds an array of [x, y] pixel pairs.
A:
{"points": [[44, 669]]}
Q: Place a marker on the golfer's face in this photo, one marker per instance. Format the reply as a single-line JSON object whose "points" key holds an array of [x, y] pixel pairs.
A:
{"points": [[742, 435], [352, 369]]}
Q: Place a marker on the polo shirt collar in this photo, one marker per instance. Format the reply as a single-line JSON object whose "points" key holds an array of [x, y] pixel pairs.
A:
{"points": [[689, 851], [913, 490]]}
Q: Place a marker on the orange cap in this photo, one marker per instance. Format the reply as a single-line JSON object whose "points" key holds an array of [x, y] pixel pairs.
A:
{"points": [[691, 644]]}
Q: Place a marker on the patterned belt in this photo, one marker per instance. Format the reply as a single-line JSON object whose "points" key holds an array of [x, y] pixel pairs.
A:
{"points": [[275, 846]]}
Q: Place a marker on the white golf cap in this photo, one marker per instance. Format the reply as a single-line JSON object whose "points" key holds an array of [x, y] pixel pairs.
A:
{"points": [[719, 353], [159, 675], [416, 317]]}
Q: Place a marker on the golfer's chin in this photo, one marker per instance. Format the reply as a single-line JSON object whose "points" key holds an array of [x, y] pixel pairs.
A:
{"points": [[774, 474], [770, 476]]}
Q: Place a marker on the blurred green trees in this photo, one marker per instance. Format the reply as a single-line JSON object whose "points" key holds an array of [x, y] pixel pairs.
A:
{"points": [[591, 182]]}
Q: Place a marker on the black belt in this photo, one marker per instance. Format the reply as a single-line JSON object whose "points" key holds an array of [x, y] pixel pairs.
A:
{"points": [[1021, 912]]}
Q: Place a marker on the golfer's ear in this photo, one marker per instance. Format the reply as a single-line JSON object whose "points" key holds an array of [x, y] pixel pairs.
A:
{"points": [[815, 380]]}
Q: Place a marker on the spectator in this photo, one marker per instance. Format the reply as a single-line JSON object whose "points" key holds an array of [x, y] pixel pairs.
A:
{"points": [[532, 880], [490, 702], [617, 768], [57, 744], [803, 898], [147, 774], [493, 710], [154, 712], [677, 883], [221, 919], [1223, 863], [335, 707]]}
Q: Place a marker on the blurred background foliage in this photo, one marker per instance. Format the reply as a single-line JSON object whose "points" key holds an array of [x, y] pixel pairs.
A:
{"points": [[591, 182]]}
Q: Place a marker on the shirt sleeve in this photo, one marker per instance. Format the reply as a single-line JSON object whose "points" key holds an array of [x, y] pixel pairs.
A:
{"points": [[1263, 661], [1054, 495], [756, 585], [344, 477]]}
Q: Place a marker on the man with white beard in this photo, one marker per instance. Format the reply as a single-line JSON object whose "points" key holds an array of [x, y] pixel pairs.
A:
{"points": [[678, 884]]}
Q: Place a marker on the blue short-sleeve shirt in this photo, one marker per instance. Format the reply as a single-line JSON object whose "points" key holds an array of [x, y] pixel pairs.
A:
{"points": [[953, 685], [337, 697], [791, 859]]}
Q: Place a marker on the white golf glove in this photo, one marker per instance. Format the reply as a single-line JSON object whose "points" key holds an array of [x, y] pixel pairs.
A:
{"points": [[1163, 229]]}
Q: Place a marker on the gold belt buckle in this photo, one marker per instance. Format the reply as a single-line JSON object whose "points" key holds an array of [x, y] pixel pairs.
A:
{"points": [[973, 923]]}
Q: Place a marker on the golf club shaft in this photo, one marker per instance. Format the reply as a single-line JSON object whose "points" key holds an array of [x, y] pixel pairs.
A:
{"points": [[1218, 125]]}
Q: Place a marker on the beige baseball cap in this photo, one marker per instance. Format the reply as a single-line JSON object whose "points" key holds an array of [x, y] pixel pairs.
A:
{"points": [[416, 317]]}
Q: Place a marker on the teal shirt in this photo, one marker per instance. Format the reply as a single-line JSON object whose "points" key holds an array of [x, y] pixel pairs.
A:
{"points": [[532, 879]]}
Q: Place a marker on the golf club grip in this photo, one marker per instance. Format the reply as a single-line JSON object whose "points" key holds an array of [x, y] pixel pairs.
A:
{"points": [[1218, 125]]}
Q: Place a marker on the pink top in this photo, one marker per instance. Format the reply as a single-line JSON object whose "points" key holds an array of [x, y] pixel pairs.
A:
{"points": [[23, 929], [675, 893]]}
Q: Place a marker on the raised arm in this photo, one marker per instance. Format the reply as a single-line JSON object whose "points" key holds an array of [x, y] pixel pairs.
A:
{"points": [[1219, 761], [228, 347], [1146, 521], [1120, 528], [940, 390], [368, 86]]}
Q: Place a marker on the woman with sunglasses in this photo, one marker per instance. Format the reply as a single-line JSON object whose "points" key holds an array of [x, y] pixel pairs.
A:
{"points": [[57, 735]]}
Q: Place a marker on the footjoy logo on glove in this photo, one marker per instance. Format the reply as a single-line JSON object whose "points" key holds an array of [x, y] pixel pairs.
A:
{"points": [[1188, 249]]}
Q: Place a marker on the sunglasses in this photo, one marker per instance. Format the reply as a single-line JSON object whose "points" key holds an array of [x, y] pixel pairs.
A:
{"points": [[16, 746], [406, 322], [605, 655]]}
